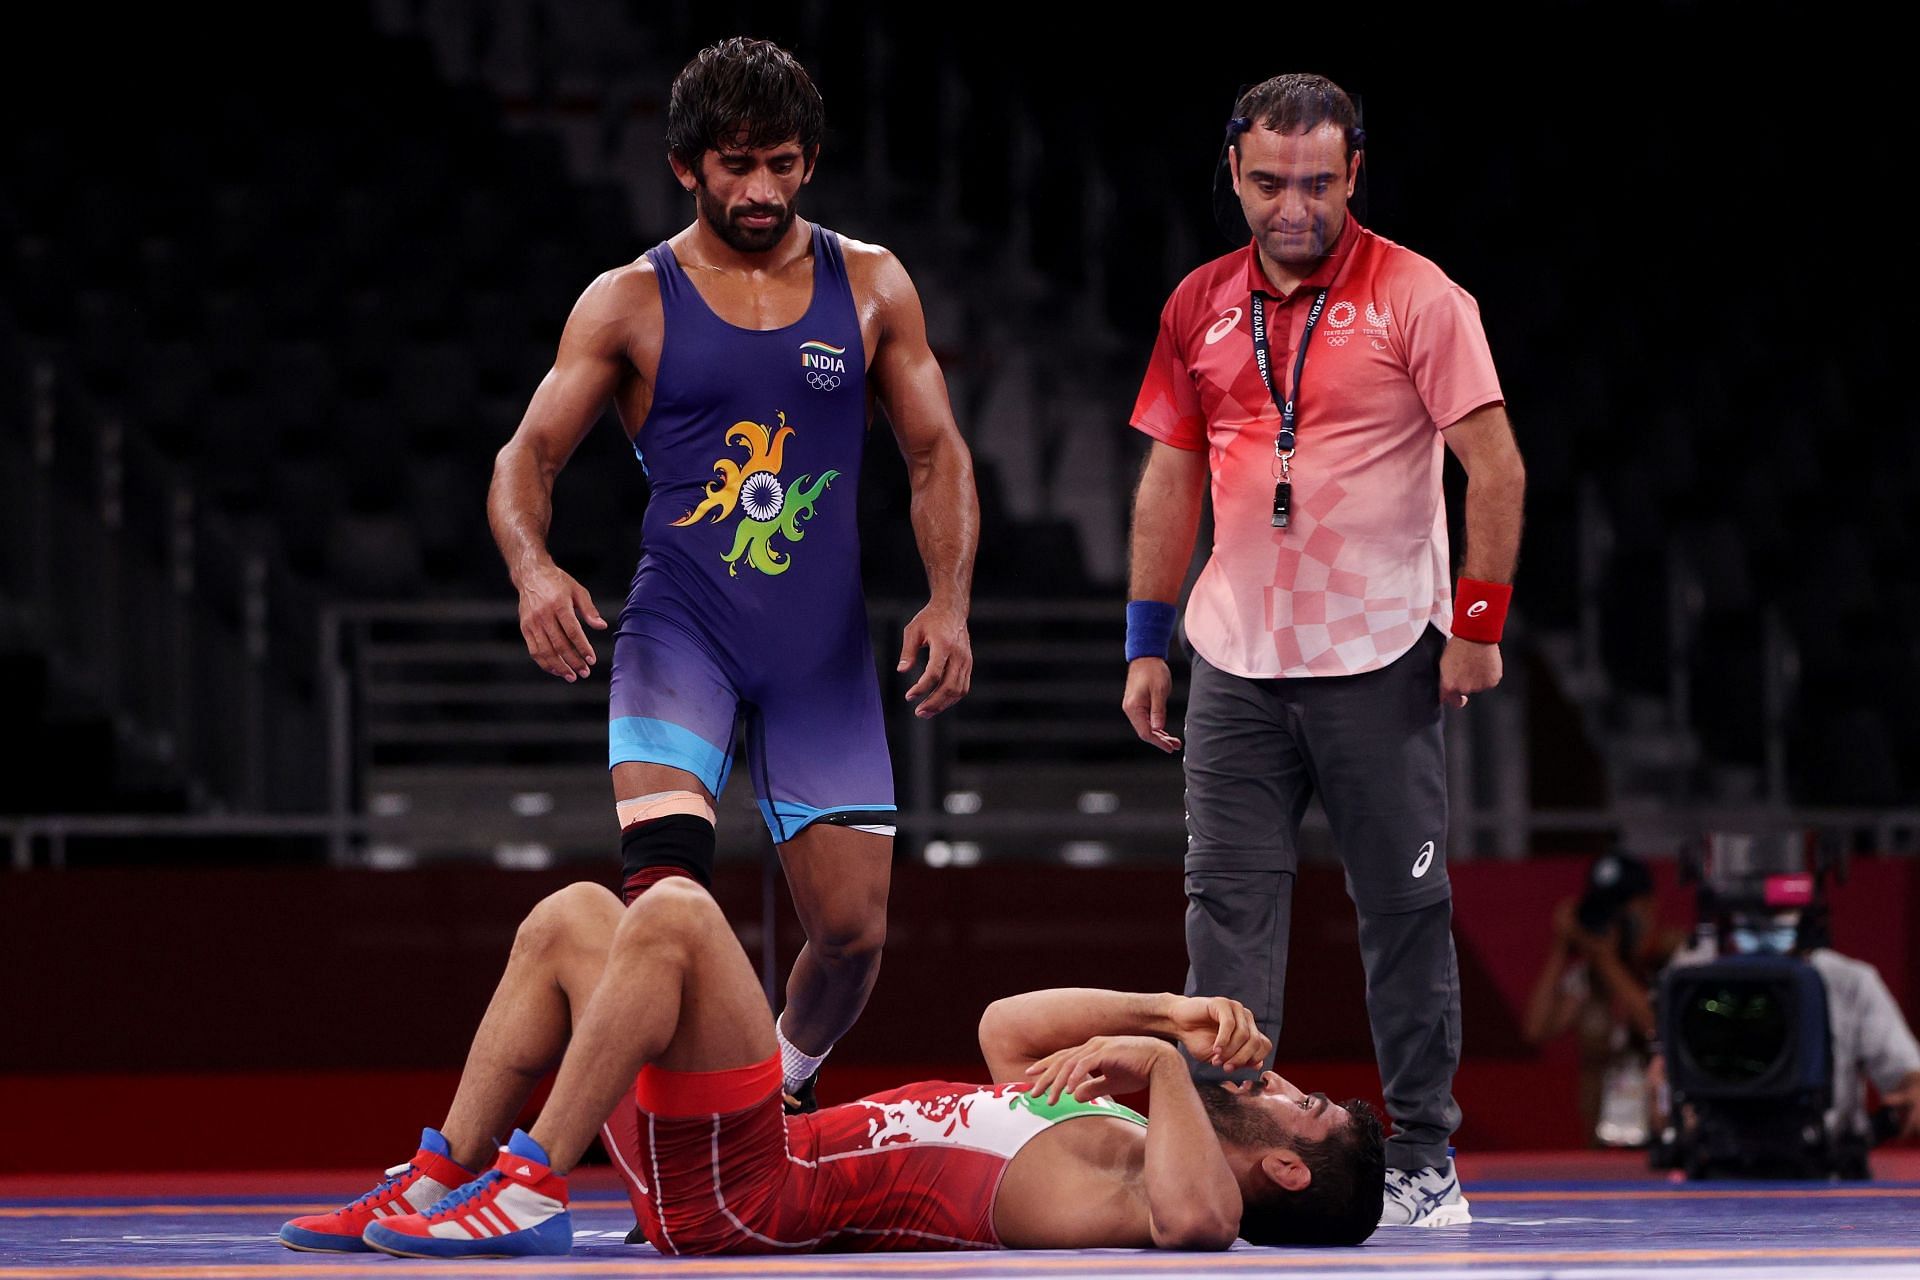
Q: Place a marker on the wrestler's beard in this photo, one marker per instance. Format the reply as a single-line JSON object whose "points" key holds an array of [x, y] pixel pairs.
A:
{"points": [[738, 238], [1235, 1122]]}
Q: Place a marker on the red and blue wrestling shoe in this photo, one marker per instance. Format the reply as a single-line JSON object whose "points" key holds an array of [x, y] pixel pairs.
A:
{"points": [[516, 1209], [407, 1188]]}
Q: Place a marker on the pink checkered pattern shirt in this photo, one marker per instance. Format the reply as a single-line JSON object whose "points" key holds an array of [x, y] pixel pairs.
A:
{"points": [[1398, 356]]}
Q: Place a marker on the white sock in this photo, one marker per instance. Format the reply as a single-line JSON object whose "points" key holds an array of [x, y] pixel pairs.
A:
{"points": [[796, 1065]]}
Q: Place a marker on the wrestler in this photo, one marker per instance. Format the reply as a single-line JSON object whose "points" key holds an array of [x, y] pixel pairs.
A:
{"points": [[666, 1047], [744, 357]]}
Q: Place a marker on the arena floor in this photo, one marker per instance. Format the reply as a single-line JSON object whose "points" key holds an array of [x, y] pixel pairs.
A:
{"points": [[1565, 1216]]}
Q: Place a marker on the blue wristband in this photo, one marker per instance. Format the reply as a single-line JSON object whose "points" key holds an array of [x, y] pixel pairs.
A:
{"points": [[1149, 629]]}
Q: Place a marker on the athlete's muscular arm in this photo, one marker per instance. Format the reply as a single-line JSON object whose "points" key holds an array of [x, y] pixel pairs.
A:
{"points": [[1192, 1197], [946, 510], [1193, 1201], [610, 318], [1496, 492], [1166, 515], [1019, 1031]]}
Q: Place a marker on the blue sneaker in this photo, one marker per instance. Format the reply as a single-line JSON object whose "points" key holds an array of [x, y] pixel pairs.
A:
{"points": [[516, 1209]]}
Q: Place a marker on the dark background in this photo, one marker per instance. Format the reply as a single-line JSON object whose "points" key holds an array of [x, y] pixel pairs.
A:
{"points": [[325, 281], [313, 279]]}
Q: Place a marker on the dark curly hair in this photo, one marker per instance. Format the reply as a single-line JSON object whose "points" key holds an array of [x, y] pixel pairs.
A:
{"points": [[1342, 1204], [742, 93]]}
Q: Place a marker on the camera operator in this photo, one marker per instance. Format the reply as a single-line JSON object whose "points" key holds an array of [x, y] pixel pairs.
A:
{"points": [[1597, 980], [1871, 1039]]}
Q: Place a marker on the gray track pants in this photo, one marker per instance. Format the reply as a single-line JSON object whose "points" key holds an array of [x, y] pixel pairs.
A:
{"points": [[1370, 747]]}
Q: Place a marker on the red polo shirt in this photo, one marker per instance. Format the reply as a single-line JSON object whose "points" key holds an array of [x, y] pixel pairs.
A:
{"points": [[1398, 356]]}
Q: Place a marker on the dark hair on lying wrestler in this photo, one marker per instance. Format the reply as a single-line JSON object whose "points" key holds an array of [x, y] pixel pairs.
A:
{"points": [[1342, 1202]]}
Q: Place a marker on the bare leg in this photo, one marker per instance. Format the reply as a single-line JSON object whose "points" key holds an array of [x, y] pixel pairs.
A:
{"points": [[555, 965], [839, 878], [677, 991], [635, 778]]}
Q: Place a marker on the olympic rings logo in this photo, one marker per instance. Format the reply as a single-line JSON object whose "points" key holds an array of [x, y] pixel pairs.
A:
{"points": [[823, 381]]}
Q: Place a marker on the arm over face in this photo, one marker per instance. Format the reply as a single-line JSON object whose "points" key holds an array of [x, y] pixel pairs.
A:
{"points": [[1017, 1032], [1188, 1194]]}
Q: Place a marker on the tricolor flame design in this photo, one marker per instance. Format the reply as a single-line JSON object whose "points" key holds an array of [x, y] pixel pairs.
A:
{"points": [[753, 541]]}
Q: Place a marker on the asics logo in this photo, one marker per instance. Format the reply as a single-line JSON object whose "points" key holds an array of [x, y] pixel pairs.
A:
{"points": [[822, 381], [1477, 608], [1224, 325], [1425, 860]]}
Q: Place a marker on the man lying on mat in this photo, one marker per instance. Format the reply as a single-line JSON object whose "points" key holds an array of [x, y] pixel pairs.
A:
{"points": [[672, 1059]]}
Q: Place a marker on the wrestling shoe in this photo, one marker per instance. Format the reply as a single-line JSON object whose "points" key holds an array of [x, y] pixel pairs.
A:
{"points": [[407, 1188], [1425, 1198], [802, 1101], [516, 1209]]}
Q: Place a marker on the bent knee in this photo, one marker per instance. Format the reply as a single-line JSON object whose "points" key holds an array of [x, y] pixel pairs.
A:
{"points": [[850, 941], [675, 895], [676, 909], [566, 917]]}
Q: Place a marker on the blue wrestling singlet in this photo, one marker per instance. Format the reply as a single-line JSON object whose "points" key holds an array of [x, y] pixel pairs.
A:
{"points": [[747, 599]]}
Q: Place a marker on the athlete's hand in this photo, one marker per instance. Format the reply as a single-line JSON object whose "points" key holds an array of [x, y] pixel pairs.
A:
{"points": [[552, 606], [1467, 666], [1220, 1031], [942, 631], [1149, 683], [1102, 1067]]}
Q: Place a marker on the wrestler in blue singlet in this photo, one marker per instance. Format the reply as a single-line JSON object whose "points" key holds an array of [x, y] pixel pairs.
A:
{"points": [[748, 597]]}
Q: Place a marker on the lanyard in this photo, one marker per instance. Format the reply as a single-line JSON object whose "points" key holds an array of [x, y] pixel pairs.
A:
{"points": [[1283, 443], [1289, 404]]}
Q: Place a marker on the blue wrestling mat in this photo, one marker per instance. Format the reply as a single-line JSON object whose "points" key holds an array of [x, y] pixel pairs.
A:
{"points": [[1564, 1230]]}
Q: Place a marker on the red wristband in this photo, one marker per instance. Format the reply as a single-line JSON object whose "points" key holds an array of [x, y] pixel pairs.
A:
{"points": [[1480, 609]]}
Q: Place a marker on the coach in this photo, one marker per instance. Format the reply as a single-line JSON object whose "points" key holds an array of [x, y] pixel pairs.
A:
{"points": [[1313, 377]]}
